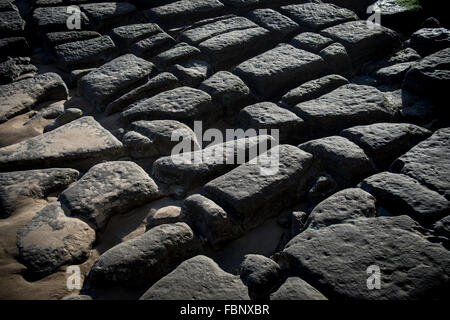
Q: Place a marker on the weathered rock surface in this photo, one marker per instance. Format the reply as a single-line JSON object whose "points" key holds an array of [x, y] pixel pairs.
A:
{"points": [[125, 36], [60, 37], [145, 259], [63, 146], [153, 45], [274, 21], [294, 288], [179, 53], [430, 40], [55, 18], [335, 259], [12, 68], [310, 41], [198, 278], [67, 116], [51, 239], [428, 163], [109, 188], [21, 96], [104, 14]]}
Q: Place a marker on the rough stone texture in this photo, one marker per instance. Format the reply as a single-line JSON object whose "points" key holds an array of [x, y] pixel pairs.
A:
{"points": [[273, 21], [51, 239], [344, 160], [153, 45], [428, 162], [430, 40], [313, 89], [260, 274], [400, 194], [310, 41], [362, 40], [323, 187], [430, 76], [336, 59], [159, 83], [394, 73], [19, 185], [21, 96], [349, 105], [227, 90], [145, 259], [67, 116], [267, 115], [11, 24], [335, 259], [285, 65], [85, 54], [179, 53], [104, 14], [295, 288], [184, 104], [125, 36], [198, 278], [109, 188], [63, 146], [113, 78], [156, 137], [344, 205], [384, 142], [192, 73], [13, 68], [60, 37], [442, 227], [55, 18], [318, 16]]}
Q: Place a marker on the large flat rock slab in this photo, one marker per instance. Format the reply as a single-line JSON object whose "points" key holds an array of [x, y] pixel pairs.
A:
{"points": [[348, 106], [21, 96], [11, 24], [75, 144], [335, 259], [428, 162], [105, 14], [284, 65], [55, 18], [198, 278], [108, 82], [109, 188]]}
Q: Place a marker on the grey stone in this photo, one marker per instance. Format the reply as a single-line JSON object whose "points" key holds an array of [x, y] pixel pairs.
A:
{"points": [[191, 73], [310, 41], [179, 53], [442, 227], [337, 59], [125, 36], [55, 18], [60, 37], [198, 278], [153, 45], [109, 188], [11, 24], [274, 21], [12, 68], [295, 288], [13, 47], [67, 116], [430, 40], [405, 55], [394, 73], [105, 14]]}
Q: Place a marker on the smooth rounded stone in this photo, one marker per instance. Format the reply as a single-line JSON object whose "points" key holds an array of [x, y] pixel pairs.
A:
{"points": [[67, 116], [344, 160], [153, 45], [344, 205], [191, 73], [108, 82], [394, 73], [337, 59], [77, 297], [199, 33], [125, 36], [157, 84], [322, 188], [19, 97], [318, 16], [347, 106], [51, 239], [190, 169], [145, 259], [442, 227], [184, 104], [165, 215], [60, 37], [107, 189], [335, 260], [11, 24], [55, 18], [12, 68], [19, 185], [51, 112], [294, 288], [385, 142], [310, 41], [158, 134], [428, 162], [222, 48], [363, 40], [260, 189], [86, 53], [267, 115], [179, 53], [63, 147], [430, 76], [105, 14], [13, 47], [430, 40], [198, 278], [313, 89], [210, 220], [273, 21], [227, 90], [184, 11], [260, 274], [284, 65], [405, 55], [400, 194]]}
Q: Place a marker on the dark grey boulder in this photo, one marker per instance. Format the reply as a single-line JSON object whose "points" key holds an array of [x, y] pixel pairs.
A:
{"points": [[430, 40], [322, 188], [393, 74], [106, 14], [13, 47], [12, 68], [60, 37], [109, 188], [310, 41], [125, 36], [192, 73], [337, 59], [11, 24], [274, 21], [155, 44], [55, 18], [179, 53], [294, 288], [442, 227], [198, 278], [51, 239], [67, 116]]}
